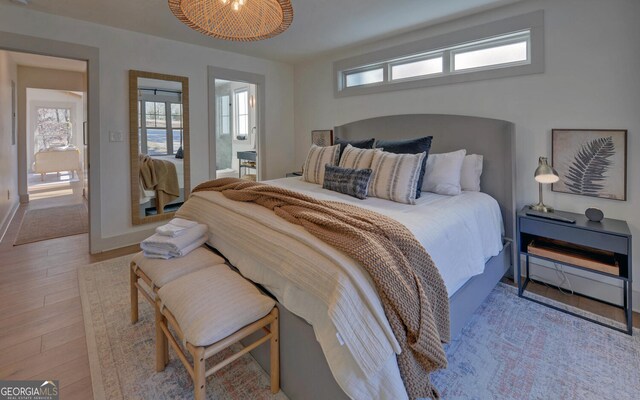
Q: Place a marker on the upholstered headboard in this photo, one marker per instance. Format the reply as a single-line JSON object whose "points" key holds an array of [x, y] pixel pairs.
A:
{"points": [[494, 139]]}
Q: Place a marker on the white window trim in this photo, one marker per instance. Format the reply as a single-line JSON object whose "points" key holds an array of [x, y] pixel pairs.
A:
{"points": [[236, 112], [446, 46]]}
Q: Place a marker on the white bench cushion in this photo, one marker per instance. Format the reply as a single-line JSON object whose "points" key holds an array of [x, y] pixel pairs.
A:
{"points": [[213, 303], [162, 272]]}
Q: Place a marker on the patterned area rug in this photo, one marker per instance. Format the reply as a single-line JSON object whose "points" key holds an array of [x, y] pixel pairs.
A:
{"points": [[514, 348], [48, 223], [122, 355]]}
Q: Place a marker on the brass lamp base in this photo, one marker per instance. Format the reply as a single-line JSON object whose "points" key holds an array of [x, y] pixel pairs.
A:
{"points": [[540, 207]]}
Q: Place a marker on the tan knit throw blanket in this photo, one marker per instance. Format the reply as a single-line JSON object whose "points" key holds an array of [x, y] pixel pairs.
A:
{"points": [[410, 287]]}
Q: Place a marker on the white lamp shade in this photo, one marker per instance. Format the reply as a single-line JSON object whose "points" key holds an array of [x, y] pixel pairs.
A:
{"points": [[547, 178], [545, 172]]}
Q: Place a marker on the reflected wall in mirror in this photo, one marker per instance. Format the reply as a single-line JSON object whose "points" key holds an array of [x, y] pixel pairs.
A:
{"points": [[159, 145]]}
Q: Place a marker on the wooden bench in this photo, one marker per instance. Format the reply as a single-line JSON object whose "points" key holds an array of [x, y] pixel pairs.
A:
{"points": [[210, 310], [155, 273]]}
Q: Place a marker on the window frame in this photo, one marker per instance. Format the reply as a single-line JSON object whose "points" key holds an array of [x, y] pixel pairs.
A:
{"points": [[236, 112], [221, 116], [168, 97], [447, 45]]}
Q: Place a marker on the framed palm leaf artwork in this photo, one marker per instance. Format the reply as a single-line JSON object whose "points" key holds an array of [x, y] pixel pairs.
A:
{"points": [[591, 162]]}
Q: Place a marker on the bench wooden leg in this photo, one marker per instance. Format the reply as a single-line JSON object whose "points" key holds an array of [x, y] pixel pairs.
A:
{"points": [[199, 374], [161, 340], [275, 352], [134, 295]]}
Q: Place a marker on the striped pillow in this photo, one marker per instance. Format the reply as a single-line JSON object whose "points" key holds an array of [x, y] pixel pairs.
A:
{"points": [[318, 157], [395, 176], [356, 158]]}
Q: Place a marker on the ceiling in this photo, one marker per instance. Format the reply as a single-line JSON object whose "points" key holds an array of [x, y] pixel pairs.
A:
{"points": [[35, 60], [318, 26]]}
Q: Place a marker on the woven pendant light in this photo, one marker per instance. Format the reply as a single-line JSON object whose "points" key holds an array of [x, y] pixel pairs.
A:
{"points": [[238, 20]]}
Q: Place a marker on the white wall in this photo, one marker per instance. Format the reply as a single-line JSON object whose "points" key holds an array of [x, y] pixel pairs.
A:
{"points": [[8, 151], [591, 81], [121, 51]]}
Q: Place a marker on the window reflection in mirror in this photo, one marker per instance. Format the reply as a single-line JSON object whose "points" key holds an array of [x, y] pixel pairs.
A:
{"points": [[159, 178]]}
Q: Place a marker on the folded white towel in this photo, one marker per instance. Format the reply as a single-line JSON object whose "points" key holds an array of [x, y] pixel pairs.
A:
{"points": [[156, 242], [176, 227], [165, 255]]}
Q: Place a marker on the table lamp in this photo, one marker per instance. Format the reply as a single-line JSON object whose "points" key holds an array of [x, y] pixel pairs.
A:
{"points": [[544, 174]]}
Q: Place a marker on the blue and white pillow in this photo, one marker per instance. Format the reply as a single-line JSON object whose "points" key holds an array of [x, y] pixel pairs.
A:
{"points": [[354, 182], [395, 176], [318, 157]]}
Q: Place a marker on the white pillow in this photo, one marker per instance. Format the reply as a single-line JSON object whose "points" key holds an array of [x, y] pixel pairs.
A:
{"points": [[356, 158], [317, 158], [471, 172], [395, 176], [442, 174]]}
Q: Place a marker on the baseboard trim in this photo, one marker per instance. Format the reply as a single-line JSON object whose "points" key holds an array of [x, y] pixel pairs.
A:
{"points": [[117, 242], [603, 288], [7, 220]]}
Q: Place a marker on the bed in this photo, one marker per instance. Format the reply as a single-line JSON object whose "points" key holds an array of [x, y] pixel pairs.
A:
{"points": [[339, 355], [57, 160]]}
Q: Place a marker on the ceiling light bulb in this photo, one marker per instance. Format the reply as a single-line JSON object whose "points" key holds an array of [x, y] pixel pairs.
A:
{"points": [[224, 1], [236, 6], [241, 2]]}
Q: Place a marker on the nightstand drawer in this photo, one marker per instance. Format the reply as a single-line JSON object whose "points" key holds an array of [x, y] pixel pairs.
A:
{"points": [[568, 233]]}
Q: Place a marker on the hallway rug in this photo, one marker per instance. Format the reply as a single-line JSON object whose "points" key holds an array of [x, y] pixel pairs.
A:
{"points": [[54, 222], [511, 349], [122, 355]]}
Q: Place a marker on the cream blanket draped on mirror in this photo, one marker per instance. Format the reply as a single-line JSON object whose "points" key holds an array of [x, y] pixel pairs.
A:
{"points": [[410, 287], [161, 176]]}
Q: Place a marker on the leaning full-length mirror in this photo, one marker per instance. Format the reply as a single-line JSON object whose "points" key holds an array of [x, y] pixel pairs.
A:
{"points": [[159, 134]]}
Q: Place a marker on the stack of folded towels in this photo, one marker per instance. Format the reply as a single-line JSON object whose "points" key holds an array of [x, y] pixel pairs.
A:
{"points": [[175, 239]]}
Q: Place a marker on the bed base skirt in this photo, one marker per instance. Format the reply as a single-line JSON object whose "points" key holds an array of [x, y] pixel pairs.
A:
{"points": [[304, 372]]}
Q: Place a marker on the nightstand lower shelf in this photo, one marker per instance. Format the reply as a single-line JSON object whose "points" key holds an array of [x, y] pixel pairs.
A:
{"points": [[628, 330], [601, 248]]}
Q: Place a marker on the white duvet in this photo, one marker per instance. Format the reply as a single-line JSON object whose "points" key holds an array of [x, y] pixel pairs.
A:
{"points": [[329, 290]]}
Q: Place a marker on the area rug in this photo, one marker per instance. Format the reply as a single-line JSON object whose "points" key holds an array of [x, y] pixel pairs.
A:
{"points": [[122, 355], [514, 348], [511, 349], [49, 223]]}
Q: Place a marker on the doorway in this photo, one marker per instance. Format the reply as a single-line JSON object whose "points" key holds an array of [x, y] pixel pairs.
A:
{"points": [[236, 130], [236, 124], [52, 147], [14, 42]]}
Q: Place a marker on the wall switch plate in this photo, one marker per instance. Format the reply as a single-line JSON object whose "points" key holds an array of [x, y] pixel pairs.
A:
{"points": [[116, 136]]}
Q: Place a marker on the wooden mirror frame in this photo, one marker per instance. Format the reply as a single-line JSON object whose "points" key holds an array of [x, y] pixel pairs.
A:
{"points": [[136, 218]]}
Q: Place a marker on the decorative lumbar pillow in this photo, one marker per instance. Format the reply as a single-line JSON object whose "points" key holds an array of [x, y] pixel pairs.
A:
{"points": [[395, 176], [318, 157], [354, 182], [353, 157], [410, 146], [361, 144], [471, 172], [442, 175]]}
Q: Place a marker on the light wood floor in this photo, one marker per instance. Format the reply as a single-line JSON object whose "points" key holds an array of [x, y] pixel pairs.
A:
{"points": [[41, 323]]}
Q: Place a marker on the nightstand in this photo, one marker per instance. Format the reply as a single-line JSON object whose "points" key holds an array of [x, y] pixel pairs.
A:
{"points": [[602, 248], [295, 173]]}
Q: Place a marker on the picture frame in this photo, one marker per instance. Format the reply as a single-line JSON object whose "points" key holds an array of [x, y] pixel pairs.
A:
{"points": [[590, 162], [322, 138]]}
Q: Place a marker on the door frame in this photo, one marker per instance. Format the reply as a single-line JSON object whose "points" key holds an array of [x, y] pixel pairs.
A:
{"points": [[91, 55], [214, 73]]}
